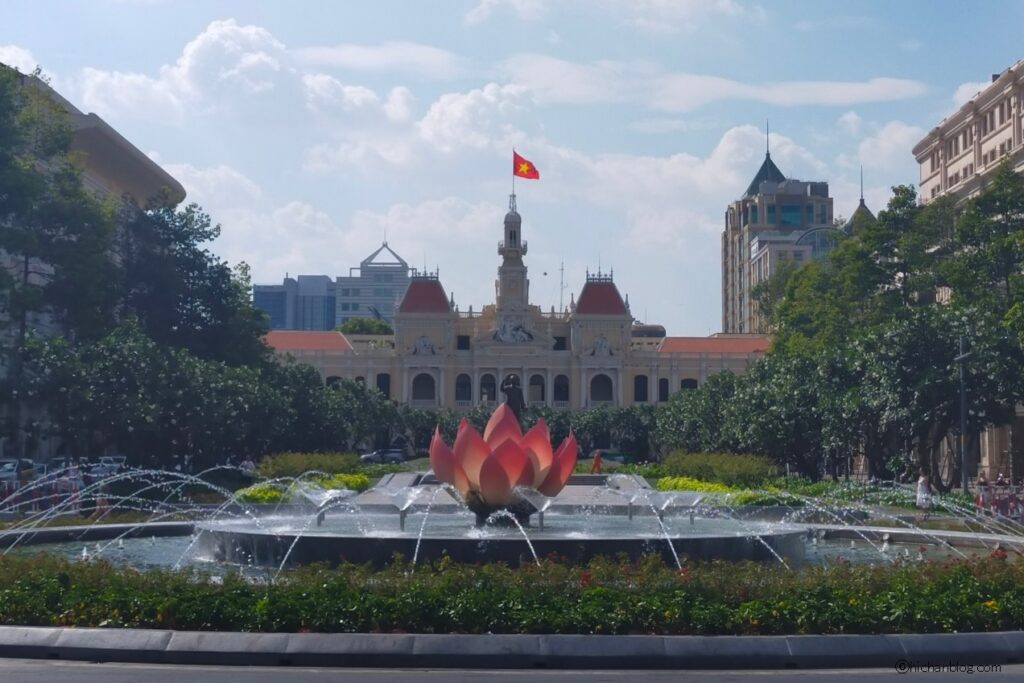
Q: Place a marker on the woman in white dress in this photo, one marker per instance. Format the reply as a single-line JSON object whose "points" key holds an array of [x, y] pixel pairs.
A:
{"points": [[924, 493]]}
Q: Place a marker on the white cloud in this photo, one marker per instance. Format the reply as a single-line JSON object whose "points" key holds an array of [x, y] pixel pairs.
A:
{"points": [[851, 122], [834, 23], [224, 62], [559, 81], [656, 16], [527, 10], [473, 119], [656, 125], [417, 58], [18, 57], [890, 147], [966, 92], [215, 186]]}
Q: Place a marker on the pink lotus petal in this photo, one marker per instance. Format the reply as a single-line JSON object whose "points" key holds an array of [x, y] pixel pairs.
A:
{"points": [[501, 472], [470, 453], [537, 444], [503, 425], [442, 460], [561, 470], [463, 423], [460, 481]]}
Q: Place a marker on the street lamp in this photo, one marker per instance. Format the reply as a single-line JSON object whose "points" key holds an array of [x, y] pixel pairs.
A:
{"points": [[962, 360]]}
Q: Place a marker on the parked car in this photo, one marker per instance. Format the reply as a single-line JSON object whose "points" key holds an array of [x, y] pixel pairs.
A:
{"points": [[383, 456], [9, 471]]}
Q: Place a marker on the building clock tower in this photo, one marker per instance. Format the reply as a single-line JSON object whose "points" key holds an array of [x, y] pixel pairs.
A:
{"points": [[512, 286]]}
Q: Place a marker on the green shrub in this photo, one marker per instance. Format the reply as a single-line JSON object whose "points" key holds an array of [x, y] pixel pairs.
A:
{"points": [[691, 484], [740, 471], [267, 493], [295, 464], [604, 596]]}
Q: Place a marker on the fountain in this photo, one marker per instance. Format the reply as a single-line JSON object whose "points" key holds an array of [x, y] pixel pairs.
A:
{"points": [[503, 496]]}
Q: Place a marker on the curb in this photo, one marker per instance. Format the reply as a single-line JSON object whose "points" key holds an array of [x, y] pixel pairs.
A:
{"points": [[508, 651]]}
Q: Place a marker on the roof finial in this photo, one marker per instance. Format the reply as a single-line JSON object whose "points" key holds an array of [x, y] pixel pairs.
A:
{"points": [[767, 133], [862, 184], [512, 202]]}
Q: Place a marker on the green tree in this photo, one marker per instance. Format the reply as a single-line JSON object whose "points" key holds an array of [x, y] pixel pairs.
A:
{"points": [[185, 296], [365, 326]]}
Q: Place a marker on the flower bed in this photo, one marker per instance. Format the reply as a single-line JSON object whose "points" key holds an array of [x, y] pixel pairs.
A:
{"points": [[266, 493], [605, 596]]}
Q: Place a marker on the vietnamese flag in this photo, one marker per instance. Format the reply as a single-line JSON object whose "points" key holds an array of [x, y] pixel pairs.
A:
{"points": [[524, 168]]}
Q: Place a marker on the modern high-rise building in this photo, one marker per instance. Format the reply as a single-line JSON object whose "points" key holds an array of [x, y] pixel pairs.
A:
{"points": [[316, 302], [306, 303], [959, 154], [776, 220], [374, 289]]}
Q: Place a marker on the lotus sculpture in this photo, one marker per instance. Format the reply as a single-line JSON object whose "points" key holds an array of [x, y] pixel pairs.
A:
{"points": [[487, 470]]}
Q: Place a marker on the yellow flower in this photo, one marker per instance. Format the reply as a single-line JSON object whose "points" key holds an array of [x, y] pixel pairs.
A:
{"points": [[991, 604], [853, 601]]}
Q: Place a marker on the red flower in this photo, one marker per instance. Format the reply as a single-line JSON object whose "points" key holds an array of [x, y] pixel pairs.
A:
{"points": [[585, 578]]}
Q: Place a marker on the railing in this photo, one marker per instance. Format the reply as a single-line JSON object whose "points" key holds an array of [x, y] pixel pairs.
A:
{"points": [[599, 404], [561, 405], [423, 403], [463, 404]]}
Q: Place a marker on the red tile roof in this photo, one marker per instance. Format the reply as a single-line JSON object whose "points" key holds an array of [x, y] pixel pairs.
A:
{"points": [[600, 298], [751, 344], [424, 296], [301, 340]]}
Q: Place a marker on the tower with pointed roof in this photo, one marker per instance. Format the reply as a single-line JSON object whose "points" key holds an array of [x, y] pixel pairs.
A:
{"points": [[512, 288], [764, 228]]}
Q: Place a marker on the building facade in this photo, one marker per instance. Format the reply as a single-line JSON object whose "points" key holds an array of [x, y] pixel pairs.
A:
{"points": [[959, 154], [374, 289], [776, 220], [956, 158], [316, 302], [589, 355]]}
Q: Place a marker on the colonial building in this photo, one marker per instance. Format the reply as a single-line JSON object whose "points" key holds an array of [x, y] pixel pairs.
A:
{"points": [[959, 154], [589, 355], [956, 158], [775, 221]]}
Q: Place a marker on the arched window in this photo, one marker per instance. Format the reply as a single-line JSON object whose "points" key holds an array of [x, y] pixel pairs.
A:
{"points": [[384, 384], [536, 389], [488, 388], [601, 389], [423, 387], [561, 388], [332, 380], [662, 390], [640, 389], [463, 388], [689, 384]]}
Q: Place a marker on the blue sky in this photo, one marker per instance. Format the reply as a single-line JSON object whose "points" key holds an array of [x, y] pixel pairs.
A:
{"points": [[310, 130]]}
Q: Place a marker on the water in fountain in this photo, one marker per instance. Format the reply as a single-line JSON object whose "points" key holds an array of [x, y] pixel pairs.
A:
{"points": [[505, 514]]}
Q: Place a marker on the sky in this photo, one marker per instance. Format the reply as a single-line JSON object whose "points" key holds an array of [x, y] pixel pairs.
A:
{"points": [[313, 131]]}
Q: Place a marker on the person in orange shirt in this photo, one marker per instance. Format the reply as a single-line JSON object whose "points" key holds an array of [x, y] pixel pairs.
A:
{"points": [[595, 467]]}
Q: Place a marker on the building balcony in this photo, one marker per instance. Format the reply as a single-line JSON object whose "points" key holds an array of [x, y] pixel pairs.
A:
{"points": [[423, 403], [560, 405]]}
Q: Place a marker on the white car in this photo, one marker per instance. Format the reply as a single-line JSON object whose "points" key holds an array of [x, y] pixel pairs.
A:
{"points": [[107, 466]]}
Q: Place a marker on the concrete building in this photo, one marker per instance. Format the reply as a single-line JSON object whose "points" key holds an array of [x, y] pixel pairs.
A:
{"points": [[965, 147], [956, 158], [374, 288], [589, 355], [776, 220], [315, 302]]}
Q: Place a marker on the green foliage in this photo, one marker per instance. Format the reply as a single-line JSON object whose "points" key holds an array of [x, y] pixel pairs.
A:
{"points": [[273, 493], [604, 596], [365, 326], [683, 483], [296, 464], [750, 471]]}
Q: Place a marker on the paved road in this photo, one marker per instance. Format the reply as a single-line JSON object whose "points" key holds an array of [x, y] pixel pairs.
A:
{"points": [[45, 671]]}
